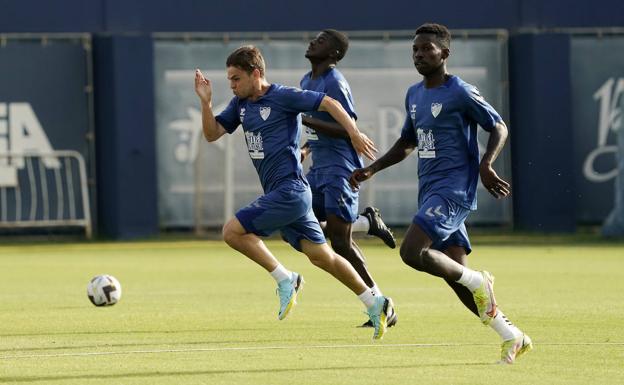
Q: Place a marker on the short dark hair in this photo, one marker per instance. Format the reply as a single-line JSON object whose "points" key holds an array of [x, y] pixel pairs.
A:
{"points": [[340, 42], [247, 58], [442, 34]]}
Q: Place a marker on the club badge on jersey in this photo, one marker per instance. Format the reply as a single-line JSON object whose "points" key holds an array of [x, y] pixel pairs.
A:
{"points": [[265, 112], [435, 109]]}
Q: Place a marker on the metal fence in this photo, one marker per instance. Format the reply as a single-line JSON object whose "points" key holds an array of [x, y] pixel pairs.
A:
{"points": [[44, 190]]}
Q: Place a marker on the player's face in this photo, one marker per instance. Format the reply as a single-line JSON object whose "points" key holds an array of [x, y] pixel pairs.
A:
{"points": [[241, 82], [427, 54], [320, 47]]}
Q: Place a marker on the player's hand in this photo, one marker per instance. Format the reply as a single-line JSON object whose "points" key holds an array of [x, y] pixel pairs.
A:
{"points": [[364, 145], [359, 175], [305, 152], [493, 183], [203, 88]]}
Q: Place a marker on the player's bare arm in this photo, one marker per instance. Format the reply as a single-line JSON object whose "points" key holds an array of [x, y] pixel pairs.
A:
{"points": [[211, 128], [362, 143], [494, 184], [332, 129], [399, 151]]}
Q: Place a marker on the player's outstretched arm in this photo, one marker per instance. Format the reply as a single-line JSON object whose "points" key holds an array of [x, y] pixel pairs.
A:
{"points": [[362, 143], [211, 128], [399, 151], [494, 184], [332, 129]]}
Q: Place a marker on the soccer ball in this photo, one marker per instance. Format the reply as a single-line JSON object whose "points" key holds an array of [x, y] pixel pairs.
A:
{"points": [[104, 290]]}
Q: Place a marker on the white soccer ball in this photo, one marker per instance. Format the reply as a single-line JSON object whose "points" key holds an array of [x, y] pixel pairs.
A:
{"points": [[104, 290]]}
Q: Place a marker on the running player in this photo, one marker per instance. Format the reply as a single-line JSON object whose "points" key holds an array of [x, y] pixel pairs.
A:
{"points": [[270, 116], [441, 124]]}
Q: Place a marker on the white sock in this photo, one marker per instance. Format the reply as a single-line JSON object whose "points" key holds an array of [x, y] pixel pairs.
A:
{"points": [[376, 291], [504, 327], [280, 273], [367, 297], [361, 225], [471, 279]]}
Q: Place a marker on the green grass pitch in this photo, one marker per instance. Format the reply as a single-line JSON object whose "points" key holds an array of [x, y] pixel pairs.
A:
{"points": [[197, 312]]}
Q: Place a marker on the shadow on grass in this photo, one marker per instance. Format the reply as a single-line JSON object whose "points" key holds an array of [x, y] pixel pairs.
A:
{"points": [[223, 372], [170, 344], [100, 332]]}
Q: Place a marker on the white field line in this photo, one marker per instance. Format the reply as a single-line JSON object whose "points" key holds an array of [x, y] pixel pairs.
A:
{"points": [[294, 347]]}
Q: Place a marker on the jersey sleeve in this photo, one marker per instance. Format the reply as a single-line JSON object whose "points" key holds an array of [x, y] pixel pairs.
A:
{"points": [[407, 132], [340, 91], [298, 100], [229, 117], [479, 110]]}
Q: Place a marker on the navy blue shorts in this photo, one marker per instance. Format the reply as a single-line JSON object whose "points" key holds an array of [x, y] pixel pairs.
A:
{"points": [[332, 194], [443, 221], [288, 209]]}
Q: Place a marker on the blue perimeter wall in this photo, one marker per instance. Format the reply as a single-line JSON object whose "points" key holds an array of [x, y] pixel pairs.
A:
{"points": [[126, 169], [119, 16]]}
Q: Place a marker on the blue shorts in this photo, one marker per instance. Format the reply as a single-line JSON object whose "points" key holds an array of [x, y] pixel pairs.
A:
{"points": [[288, 209], [443, 221], [332, 194]]}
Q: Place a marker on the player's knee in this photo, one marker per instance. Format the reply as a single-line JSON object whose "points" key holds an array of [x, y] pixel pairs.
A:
{"points": [[413, 257], [341, 245], [320, 255], [229, 234], [320, 260], [427, 258]]}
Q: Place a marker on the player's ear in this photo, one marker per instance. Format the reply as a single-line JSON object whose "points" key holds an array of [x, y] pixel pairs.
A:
{"points": [[446, 53]]}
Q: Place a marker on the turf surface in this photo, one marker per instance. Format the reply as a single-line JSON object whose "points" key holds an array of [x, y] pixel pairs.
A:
{"points": [[196, 312]]}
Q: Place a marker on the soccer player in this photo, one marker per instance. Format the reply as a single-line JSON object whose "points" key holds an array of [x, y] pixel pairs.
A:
{"points": [[441, 124], [334, 158], [270, 116]]}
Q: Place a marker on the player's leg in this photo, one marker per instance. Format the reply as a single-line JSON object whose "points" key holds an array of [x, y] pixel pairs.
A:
{"points": [[248, 244], [261, 218], [514, 341], [416, 252], [458, 254], [288, 283], [378, 307], [437, 219], [322, 256], [305, 235], [340, 206], [339, 233], [335, 201]]}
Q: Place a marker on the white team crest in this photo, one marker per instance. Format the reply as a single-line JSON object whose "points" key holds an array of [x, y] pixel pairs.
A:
{"points": [[265, 112], [435, 109]]}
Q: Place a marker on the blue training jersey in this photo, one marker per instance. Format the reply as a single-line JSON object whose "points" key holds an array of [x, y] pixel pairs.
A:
{"points": [[272, 126], [443, 122], [328, 151]]}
